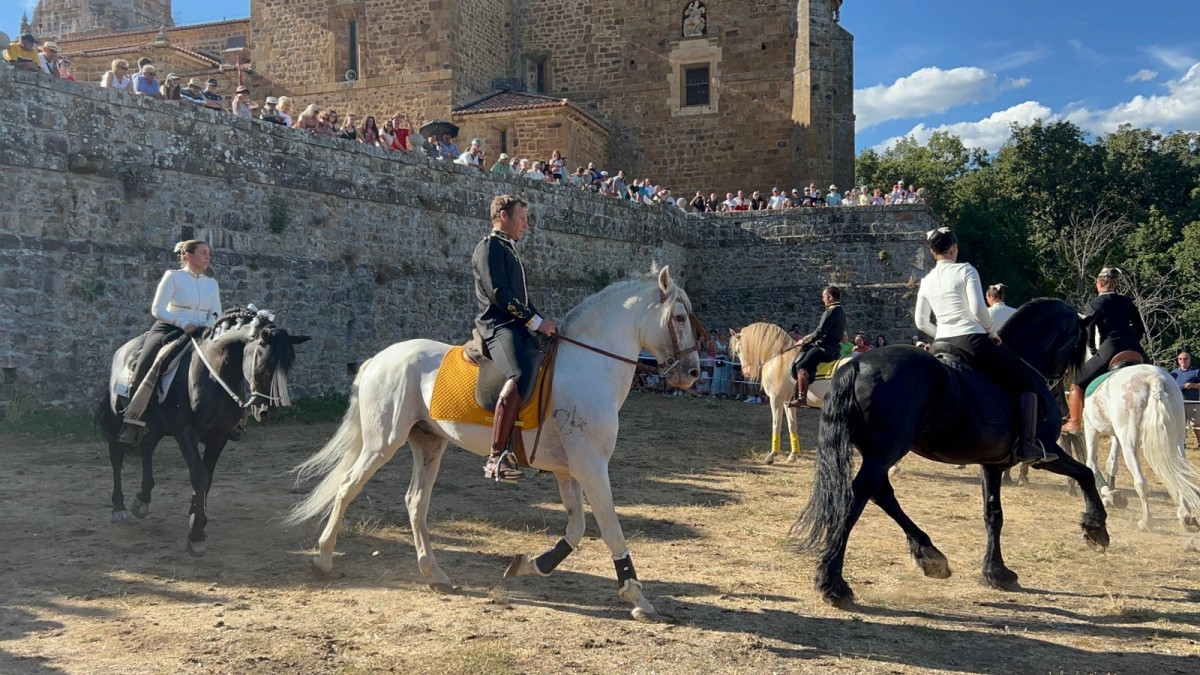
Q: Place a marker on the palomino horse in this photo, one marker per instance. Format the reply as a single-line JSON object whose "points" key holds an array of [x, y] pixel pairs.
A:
{"points": [[205, 401], [766, 352], [391, 402], [1142, 406], [895, 400]]}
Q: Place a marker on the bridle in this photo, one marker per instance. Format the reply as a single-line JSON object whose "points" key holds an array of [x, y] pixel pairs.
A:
{"points": [[673, 361], [279, 390]]}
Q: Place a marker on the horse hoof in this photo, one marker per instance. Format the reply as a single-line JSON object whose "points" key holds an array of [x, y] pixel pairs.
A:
{"points": [[1191, 524], [769, 459], [139, 508], [519, 561], [1004, 580], [444, 587], [196, 548], [838, 595], [933, 563], [1119, 500], [793, 458], [1097, 539], [319, 570], [119, 516], [647, 615], [1144, 525]]}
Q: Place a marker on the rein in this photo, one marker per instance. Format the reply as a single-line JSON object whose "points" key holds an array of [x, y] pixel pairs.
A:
{"points": [[254, 393], [547, 372]]}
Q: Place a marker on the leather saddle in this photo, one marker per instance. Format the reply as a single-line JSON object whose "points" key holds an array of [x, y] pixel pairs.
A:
{"points": [[169, 359], [992, 405], [1125, 358], [490, 379]]}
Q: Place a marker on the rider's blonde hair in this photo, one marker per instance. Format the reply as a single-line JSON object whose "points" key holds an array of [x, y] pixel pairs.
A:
{"points": [[188, 246]]}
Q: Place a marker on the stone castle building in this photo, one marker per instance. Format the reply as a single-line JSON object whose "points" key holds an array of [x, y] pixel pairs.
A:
{"points": [[715, 95]]}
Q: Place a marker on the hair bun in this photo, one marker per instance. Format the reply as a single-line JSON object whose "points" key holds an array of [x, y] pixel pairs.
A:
{"points": [[180, 246]]}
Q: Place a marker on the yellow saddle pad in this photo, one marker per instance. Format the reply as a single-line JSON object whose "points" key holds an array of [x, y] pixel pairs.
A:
{"points": [[454, 395], [825, 370]]}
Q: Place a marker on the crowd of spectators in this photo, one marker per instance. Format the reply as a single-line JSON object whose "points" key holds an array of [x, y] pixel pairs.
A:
{"points": [[398, 134]]}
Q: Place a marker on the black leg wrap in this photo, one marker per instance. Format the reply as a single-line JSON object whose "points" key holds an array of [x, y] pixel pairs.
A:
{"points": [[547, 561], [625, 570]]}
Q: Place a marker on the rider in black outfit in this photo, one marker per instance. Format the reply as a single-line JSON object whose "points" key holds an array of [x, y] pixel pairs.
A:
{"points": [[506, 321], [820, 346], [1115, 320]]}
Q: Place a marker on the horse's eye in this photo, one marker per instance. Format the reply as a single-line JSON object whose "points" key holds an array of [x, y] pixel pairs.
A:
{"points": [[680, 319]]}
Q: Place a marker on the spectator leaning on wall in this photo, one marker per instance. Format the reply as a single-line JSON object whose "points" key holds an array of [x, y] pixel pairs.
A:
{"points": [[48, 59], [1189, 381], [23, 53]]}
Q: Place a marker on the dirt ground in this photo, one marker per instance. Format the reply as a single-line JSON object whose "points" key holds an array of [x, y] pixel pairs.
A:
{"points": [[707, 526]]}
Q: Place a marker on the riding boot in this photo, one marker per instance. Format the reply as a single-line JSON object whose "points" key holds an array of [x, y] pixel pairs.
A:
{"points": [[801, 399], [1074, 423], [1029, 449], [237, 433], [131, 432], [500, 465]]}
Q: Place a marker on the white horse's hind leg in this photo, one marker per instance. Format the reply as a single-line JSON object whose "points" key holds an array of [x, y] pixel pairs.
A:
{"points": [[427, 451], [777, 406], [544, 564], [376, 452], [594, 479], [793, 434], [1129, 445]]}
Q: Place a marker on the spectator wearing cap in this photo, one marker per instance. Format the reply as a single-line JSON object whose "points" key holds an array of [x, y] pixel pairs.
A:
{"points": [[473, 156], [503, 165], [834, 197], [23, 54], [242, 104], [145, 83], [170, 89], [270, 111], [64, 70], [117, 76], [191, 94], [48, 59], [212, 96], [777, 200]]}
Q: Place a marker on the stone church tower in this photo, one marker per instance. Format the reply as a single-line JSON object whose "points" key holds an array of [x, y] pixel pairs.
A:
{"points": [[58, 18]]}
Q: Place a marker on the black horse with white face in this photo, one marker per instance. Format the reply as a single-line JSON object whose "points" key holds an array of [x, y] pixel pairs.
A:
{"points": [[894, 400], [241, 362]]}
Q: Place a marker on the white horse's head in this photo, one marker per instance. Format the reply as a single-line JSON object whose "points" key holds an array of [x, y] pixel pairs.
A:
{"points": [[670, 333]]}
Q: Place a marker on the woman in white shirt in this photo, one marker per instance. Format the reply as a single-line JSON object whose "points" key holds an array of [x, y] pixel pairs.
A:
{"points": [[118, 77], [953, 293], [186, 301], [999, 311]]}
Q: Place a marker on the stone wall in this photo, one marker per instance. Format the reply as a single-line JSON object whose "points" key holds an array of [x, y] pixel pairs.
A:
{"points": [[62, 17], [357, 248], [535, 134]]}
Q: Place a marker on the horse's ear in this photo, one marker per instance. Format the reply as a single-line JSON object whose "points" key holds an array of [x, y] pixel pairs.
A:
{"points": [[665, 284], [299, 339]]}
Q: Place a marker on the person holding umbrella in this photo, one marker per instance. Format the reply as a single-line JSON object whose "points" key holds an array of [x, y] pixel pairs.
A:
{"points": [[440, 133]]}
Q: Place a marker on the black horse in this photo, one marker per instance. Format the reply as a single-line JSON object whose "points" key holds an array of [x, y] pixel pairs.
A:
{"points": [[894, 400], [244, 348]]}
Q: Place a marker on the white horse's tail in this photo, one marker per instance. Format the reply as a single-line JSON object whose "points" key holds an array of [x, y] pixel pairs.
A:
{"points": [[334, 461], [1163, 449]]}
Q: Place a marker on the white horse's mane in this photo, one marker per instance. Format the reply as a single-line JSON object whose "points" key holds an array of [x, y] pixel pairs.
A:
{"points": [[619, 289]]}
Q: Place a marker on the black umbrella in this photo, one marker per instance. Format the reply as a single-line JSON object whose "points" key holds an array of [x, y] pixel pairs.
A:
{"points": [[436, 129]]}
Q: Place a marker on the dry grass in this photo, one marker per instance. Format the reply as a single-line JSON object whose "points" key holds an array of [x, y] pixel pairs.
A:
{"points": [[707, 526]]}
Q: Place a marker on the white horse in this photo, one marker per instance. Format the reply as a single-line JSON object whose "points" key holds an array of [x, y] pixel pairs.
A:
{"points": [[390, 406], [1142, 406], [766, 352]]}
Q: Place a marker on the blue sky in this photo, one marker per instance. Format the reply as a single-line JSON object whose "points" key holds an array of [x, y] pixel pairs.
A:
{"points": [[974, 66]]}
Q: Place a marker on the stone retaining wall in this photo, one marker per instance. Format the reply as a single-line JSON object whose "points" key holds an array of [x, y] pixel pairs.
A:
{"points": [[354, 246]]}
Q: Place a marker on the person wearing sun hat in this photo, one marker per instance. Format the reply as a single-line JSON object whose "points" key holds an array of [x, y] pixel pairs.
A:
{"points": [[502, 165], [48, 58], [834, 197]]}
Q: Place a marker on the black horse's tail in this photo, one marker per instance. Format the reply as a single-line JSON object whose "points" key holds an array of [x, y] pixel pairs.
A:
{"points": [[822, 521]]}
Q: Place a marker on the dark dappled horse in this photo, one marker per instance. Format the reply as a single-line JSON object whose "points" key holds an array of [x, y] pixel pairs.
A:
{"points": [[244, 349], [894, 400]]}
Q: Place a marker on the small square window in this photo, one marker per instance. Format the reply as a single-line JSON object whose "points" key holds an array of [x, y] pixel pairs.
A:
{"points": [[696, 84]]}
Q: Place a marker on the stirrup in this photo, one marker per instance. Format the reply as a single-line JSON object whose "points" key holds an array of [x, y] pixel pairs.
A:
{"points": [[504, 468], [1033, 461]]}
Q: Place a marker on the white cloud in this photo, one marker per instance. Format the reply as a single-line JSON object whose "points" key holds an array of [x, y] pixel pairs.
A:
{"points": [[1085, 52], [1143, 75], [1021, 57], [929, 90], [1171, 57], [988, 133], [1176, 110]]}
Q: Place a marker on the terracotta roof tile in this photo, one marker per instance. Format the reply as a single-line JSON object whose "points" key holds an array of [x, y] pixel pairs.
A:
{"points": [[508, 101]]}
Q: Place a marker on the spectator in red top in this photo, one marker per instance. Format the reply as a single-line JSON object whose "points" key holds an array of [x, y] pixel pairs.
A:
{"points": [[402, 127], [64, 70], [861, 346]]}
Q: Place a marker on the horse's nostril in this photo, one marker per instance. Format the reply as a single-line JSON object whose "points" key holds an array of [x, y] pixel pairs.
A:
{"points": [[694, 372]]}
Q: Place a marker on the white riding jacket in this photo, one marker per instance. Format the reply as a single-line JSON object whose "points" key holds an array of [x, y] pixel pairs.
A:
{"points": [[953, 292], [183, 298], [1000, 314]]}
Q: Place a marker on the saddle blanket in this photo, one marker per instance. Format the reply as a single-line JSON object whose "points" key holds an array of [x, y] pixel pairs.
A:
{"points": [[1095, 384], [454, 395], [825, 370], [120, 383]]}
